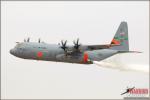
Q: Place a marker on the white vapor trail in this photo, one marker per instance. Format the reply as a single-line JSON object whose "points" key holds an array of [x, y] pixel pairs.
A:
{"points": [[117, 63], [123, 67]]}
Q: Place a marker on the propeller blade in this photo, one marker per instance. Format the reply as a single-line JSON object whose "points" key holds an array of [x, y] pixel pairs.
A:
{"points": [[28, 39], [62, 42], [65, 43], [24, 40], [39, 40], [76, 44], [77, 40]]}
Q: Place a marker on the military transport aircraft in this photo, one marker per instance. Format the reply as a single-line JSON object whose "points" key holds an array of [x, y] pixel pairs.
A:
{"points": [[82, 54]]}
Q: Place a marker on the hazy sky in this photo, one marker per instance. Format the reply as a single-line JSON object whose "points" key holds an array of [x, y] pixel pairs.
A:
{"points": [[94, 22]]}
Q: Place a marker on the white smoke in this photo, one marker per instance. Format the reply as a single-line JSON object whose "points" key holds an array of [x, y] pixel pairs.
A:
{"points": [[116, 62]]}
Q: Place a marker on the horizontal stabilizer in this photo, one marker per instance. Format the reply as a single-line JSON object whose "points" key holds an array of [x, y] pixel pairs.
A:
{"points": [[129, 52]]}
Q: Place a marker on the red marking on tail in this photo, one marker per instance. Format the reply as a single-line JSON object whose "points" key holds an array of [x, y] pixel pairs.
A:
{"points": [[114, 41], [39, 54], [85, 57]]}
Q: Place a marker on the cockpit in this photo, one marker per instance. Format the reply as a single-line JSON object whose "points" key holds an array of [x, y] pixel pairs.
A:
{"points": [[19, 45], [17, 49]]}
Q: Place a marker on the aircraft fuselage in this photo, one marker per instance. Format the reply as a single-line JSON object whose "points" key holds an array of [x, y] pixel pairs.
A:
{"points": [[47, 52]]}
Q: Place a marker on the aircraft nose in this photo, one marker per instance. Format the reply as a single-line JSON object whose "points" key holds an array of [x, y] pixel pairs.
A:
{"points": [[11, 51]]}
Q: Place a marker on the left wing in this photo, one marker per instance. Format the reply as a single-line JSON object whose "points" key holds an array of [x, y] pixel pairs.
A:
{"points": [[96, 47]]}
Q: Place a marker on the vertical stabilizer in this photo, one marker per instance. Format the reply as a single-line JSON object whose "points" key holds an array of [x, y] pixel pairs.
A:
{"points": [[121, 38]]}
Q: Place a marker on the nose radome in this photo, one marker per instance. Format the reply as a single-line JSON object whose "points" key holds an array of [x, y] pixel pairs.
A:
{"points": [[11, 51]]}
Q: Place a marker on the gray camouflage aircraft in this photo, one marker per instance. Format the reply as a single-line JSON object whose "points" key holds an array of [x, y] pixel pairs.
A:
{"points": [[82, 54]]}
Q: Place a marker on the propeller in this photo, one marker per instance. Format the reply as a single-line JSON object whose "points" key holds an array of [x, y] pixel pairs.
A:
{"points": [[76, 44], [28, 40], [39, 40], [63, 45], [24, 40]]}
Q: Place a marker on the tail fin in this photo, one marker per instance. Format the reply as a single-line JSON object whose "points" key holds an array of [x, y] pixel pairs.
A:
{"points": [[121, 38]]}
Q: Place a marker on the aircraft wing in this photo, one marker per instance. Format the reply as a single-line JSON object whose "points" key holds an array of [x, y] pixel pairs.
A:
{"points": [[83, 48], [96, 47], [98, 55]]}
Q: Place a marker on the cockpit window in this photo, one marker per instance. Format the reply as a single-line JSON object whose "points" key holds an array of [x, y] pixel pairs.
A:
{"points": [[18, 45]]}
